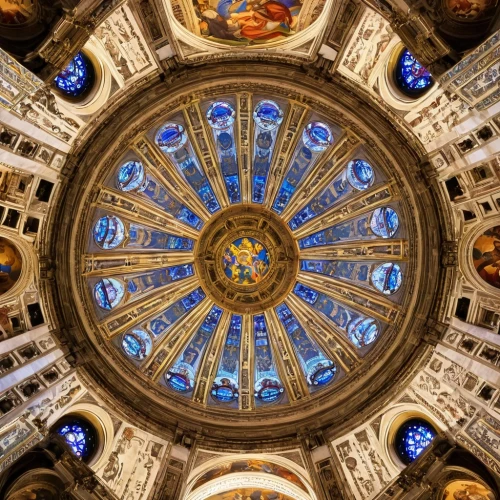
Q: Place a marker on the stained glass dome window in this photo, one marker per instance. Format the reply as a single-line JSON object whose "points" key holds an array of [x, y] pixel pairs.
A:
{"points": [[130, 175], [412, 438], [362, 332], [77, 78], [223, 282], [109, 232], [108, 293], [387, 278], [317, 136], [385, 222], [360, 174], [221, 115], [411, 77], [80, 436], [137, 344], [267, 115]]}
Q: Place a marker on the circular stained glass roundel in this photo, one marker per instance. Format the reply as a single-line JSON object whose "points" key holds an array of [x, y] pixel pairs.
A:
{"points": [[324, 375], [270, 393], [109, 232], [130, 176], [245, 261], [385, 222], [108, 293], [221, 115], [267, 115], [387, 278], [80, 435], [317, 136], [362, 332], [137, 344], [77, 77], [360, 174], [171, 137], [412, 438], [411, 77]]}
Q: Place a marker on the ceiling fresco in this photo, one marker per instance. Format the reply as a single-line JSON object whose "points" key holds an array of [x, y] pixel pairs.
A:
{"points": [[467, 490], [10, 265], [486, 256], [247, 22]]}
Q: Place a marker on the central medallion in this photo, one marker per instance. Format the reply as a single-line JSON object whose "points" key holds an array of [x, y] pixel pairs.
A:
{"points": [[247, 259]]}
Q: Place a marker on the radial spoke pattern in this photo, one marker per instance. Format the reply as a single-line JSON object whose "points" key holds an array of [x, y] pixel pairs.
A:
{"points": [[145, 237]]}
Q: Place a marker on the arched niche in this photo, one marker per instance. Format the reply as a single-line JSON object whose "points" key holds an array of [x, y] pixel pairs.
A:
{"points": [[100, 91], [36, 484], [188, 31], [389, 90], [393, 420], [478, 256], [102, 423], [263, 471], [25, 262]]}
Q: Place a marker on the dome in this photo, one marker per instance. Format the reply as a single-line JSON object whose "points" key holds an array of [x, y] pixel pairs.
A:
{"points": [[268, 289]]}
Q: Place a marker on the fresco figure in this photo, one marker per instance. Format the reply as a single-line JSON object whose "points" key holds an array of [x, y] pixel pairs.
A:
{"points": [[486, 256], [247, 22], [246, 261]]}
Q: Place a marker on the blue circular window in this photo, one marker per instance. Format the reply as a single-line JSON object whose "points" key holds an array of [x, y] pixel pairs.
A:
{"points": [[109, 232], [412, 438], [77, 78], [80, 435], [411, 77]]}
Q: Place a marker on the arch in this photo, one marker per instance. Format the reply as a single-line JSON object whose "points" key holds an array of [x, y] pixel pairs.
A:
{"points": [[390, 92], [466, 259], [103, 424], [297, 485], [96, 96], [391, 422], [29, 270]]}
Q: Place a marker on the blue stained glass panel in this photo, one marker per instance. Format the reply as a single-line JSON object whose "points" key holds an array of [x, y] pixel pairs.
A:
{"points": [[385, 222], [360, 329], [109, 232], [144, 237], [77, 77], [267, 387], [328, 198], [108, 293], [132, 176], [137, 344], [360, 174], [225, 386], [165, 320], [387, 278], [158, 278], [268, 117], [79, 436], [221, 116], [317, 368], [353, 271], [316, 137], [412, 78], [172, 140], [382, 222], [182, 375], [412, 438]]}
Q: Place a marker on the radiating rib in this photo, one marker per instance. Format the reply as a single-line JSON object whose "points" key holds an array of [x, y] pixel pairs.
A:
{"points": [[378, 196], [137, 312]]}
